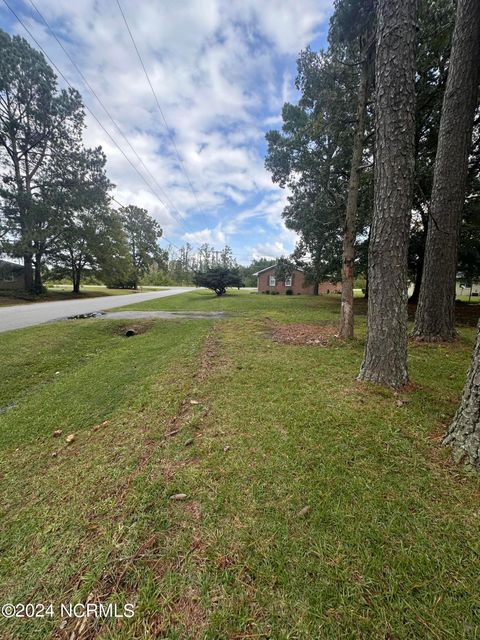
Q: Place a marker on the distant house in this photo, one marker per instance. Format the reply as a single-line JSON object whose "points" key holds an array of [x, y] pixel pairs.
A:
{"points": [[464, 288], [11, 275], [267, 282]]}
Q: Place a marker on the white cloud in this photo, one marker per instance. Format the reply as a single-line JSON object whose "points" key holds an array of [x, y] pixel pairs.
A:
{"points": [[214, 237], [219, 69]]}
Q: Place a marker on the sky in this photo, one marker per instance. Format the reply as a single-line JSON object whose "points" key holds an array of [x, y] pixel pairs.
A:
{"points": [[221, 71]]}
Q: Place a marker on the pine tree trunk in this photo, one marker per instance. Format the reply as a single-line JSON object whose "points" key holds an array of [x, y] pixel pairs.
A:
{"points": [[464, 433], [348, 254], [385, 360], [435, 317], [38, 286], [28, 273], [316, 286]]}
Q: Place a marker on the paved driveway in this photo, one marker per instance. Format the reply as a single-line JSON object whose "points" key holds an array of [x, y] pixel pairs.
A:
{"points": [[27, 315]]}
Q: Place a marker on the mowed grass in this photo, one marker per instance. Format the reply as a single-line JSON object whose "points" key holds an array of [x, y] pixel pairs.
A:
{"points": [[388, 546], [249, 303], [59, 292]]}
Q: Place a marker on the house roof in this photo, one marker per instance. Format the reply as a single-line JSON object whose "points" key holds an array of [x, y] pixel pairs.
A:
{"points": [[12, 266], [273, 266]]}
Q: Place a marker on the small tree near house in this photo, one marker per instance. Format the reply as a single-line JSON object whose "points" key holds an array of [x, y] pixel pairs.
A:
{"points": [[218, 279]]}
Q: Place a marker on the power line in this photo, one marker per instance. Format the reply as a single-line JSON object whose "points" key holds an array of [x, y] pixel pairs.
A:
{"points": [[105, 109], [172, 139], [86, 106], [115, 123], [162, 237]]}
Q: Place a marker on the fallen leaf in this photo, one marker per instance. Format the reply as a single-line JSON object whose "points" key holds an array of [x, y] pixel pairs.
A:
{"points": [[194, 402], [304, 511], [189, 442], [178, 496], [227, 448], [70, 438], [57, 433]]}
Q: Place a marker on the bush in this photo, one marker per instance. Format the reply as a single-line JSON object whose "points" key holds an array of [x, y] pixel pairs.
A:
{"points": [[218, 279], [289, 292], [267, 292]]}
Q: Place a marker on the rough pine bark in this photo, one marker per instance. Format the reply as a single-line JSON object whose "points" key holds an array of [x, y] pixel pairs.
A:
{"points": [[348, 253], [385, 359], [464, 433], [435, 316]]}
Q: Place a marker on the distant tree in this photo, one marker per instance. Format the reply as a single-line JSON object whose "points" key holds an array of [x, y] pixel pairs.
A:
{"points": [[218, 279], [93, 242], [312, 155], [246, 272], [35, 118], [284, 268], [74, 233], [435, 316], [385, 359], [142, 233], [227, 258]]}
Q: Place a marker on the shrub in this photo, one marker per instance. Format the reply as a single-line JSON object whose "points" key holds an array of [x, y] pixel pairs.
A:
{"points": [[218, 279], [289, 292]]}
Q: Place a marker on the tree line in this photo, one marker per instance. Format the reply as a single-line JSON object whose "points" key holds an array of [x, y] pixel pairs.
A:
{"points": [[382, 159], [327, 154], [56, 210]]}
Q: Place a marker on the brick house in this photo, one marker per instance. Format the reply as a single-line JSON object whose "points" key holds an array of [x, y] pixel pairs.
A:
{"points": [[11, 276], [267, 282]]}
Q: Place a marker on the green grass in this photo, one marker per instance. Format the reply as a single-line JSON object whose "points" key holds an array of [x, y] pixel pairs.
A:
{"points": [[388, 549], [59, 292], [248, 303]]}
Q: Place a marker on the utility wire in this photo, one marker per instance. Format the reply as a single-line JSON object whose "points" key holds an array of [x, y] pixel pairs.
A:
{"points": [[105, 109], [162, 237], [115, 123], [86, 106], [172, 139]]}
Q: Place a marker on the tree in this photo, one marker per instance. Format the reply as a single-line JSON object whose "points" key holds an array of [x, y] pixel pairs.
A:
{"points": [[93, 241], [246, 273], [385, 359], [464, 433], [34, 117], [74, 234], [352, 26], [435, 317], [435, 26], [218, 279], [142, 233], [312, 155]]}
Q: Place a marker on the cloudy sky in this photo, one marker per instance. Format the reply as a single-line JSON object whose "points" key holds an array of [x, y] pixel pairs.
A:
{"points": [[221, 71]]}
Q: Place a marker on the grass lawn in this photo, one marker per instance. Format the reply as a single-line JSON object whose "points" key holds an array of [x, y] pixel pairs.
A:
{"points": [[316, 506], [60, 292]]}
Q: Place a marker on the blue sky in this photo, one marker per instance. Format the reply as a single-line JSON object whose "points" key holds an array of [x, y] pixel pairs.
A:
{"points": [[222, 70]]}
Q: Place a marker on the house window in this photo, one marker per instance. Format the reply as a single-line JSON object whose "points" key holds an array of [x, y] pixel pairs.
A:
{"points": [[8, 277], [288, 281], [271, 281]]}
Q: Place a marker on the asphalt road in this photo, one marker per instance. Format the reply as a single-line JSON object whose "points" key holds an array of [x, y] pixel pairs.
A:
{"points": [[27, 315]]}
